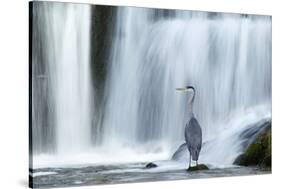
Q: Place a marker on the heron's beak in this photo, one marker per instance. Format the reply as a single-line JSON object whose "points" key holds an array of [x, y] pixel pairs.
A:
{"points": [[182, 89]]}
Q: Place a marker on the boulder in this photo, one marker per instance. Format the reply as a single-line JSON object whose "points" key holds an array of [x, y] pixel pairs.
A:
{"points": [[258, 152], [150, 165], [181, 153]]}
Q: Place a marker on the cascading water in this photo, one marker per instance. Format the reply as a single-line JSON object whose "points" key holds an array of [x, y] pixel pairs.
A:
{"points": [[228, 60], [226, 57], [67, 76]]}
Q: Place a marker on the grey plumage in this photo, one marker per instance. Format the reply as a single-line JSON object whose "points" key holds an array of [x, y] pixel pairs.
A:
{"points": [[193, 138], [193, 132]]}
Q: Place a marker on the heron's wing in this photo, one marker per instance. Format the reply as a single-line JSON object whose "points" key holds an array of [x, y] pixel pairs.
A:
{"points": [[193, 135]]}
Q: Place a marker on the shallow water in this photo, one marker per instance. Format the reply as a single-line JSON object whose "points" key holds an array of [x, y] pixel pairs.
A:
{"points": [[114, 174]]}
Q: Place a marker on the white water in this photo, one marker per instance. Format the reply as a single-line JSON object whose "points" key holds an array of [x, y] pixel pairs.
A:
{"points": [[67, 31], [72, 86], [227, 60], [42, 173]]}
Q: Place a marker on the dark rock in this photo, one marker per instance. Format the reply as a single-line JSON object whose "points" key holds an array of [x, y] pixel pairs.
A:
{"points": [[181, 154], [266, 162], [249, 135], [198, 168], [239, 159], [258, 152], [150, 165]]}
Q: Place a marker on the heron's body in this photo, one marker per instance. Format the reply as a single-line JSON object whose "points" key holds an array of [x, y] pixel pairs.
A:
{"points": [[193, 132], [193, 138]]}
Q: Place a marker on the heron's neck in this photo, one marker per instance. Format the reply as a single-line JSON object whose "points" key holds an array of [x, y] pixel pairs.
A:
{"points": [[190, 107], [190, 110]]}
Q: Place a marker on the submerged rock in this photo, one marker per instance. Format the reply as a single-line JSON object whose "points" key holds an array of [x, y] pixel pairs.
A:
{"points": [[258, 152], [198, 168], [150, 165]]}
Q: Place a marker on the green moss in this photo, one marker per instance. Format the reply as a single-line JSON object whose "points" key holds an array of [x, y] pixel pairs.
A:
{"points": [[198, 168], [259, 152]]}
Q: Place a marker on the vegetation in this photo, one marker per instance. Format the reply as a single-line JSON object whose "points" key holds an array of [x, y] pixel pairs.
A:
{"points": [[258, 152]]}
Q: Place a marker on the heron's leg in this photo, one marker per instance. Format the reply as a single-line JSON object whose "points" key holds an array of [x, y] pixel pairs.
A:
{"points": [[196, 163], [189, 159]]}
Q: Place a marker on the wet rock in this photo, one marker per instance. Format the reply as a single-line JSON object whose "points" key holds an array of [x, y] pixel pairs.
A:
{"points": [[181, 154], [258, 153], [249, 135], [198, 168], [150, 165]]}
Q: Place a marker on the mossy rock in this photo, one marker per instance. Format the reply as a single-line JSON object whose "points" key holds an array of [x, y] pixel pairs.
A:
{"points": [[198, 168], [258, 153], [150, 165]]}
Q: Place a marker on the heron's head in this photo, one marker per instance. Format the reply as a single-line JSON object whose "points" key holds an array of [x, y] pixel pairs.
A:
{"points": [[187, 89]]}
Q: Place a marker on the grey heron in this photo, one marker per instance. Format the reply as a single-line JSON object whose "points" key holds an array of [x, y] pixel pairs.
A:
{"points": [[193, 132]]}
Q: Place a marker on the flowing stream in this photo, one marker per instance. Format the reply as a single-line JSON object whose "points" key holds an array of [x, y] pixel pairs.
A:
{"points": [[226, 57]]}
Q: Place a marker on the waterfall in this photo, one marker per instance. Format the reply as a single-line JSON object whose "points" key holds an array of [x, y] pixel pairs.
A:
{"points": [[226, 57], [65, 61], [71, 81]]}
